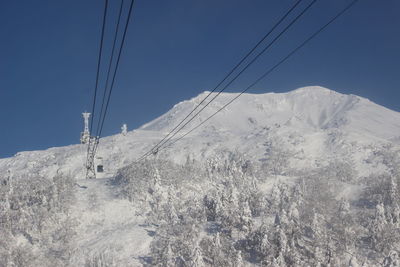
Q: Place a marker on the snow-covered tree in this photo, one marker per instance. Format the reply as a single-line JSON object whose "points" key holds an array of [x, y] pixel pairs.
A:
{"points": [[353, 262], [392, 260], [276, 156], [245, 216], [197, 257], [35, 225], [238, 261]]}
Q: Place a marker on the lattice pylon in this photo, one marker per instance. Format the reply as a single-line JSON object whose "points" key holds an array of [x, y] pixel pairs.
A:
{"points": [[90, 168]]}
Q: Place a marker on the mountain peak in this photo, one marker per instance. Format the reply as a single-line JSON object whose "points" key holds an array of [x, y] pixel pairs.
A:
{"points": [[310, 108], [313, 90]]}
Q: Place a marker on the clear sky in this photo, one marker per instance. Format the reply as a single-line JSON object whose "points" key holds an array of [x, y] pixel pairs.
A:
{"points": [[174, 50]]}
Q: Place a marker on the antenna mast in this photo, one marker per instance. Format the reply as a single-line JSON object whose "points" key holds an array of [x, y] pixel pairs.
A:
{"points": [[85, 135]]}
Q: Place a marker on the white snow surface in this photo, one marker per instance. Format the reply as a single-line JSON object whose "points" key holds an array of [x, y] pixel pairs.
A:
{"points": [[315, 122], [108, 224]]}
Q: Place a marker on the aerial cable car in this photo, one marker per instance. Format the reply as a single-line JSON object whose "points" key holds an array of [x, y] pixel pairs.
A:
{"points": [[100, 167], [155, 151]]}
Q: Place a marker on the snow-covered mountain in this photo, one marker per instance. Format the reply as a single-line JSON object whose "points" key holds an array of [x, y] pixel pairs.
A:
{"points": [[306, 109], [312, 151], [315, 121]]}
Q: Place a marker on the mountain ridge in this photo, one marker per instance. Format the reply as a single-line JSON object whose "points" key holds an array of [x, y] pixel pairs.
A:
{"points": [[308, 119], [319, 107]]}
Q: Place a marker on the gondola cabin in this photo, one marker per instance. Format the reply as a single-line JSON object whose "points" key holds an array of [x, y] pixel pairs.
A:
{"points": [[100, 167]]}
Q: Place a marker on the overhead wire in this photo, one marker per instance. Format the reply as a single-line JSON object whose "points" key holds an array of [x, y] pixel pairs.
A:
{"points": [[294, 51], [97, 75], [110, 65], [116, 68], [233, 69], [99, 62], [156, 148], [94, 141]]}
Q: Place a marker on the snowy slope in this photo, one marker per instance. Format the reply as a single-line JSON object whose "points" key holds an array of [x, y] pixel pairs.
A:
{"points": [[312, 120], [315, 123], [309, 108], [108, 223]]}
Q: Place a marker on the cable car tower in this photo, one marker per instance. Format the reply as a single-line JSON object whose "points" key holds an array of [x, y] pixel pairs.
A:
{"points": [[92, 143], [92, 147]]}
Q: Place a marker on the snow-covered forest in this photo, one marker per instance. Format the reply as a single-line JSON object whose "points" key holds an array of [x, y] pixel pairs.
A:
{"points": [[35, 223], [230, 211]]}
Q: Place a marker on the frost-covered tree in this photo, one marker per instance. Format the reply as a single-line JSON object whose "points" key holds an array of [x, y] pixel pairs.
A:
{"points": [[245, 216], [353, 262], [392, 260], [238, 260], [197, 257], [377, 225], [276, 156], [102, 259], [35, 225], [222, 205]]}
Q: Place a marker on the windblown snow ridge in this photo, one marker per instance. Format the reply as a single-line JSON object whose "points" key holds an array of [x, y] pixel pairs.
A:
{"points": [[311, 108]]}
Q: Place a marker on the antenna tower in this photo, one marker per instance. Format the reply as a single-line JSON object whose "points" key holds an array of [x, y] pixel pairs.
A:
{"points": [[85, 135]]}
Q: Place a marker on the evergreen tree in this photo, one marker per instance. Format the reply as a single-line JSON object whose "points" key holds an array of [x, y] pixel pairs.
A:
{"points": [[238, 261], [392, 260], [197, 257], [353, 262], [168, 258], [245, 216]]}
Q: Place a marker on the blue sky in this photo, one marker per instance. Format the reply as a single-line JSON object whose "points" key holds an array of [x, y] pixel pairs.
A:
{"points": [[174, 50]]}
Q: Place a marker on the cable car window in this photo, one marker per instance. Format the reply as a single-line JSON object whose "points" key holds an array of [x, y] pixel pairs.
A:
{"points": [[100, 168]]}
